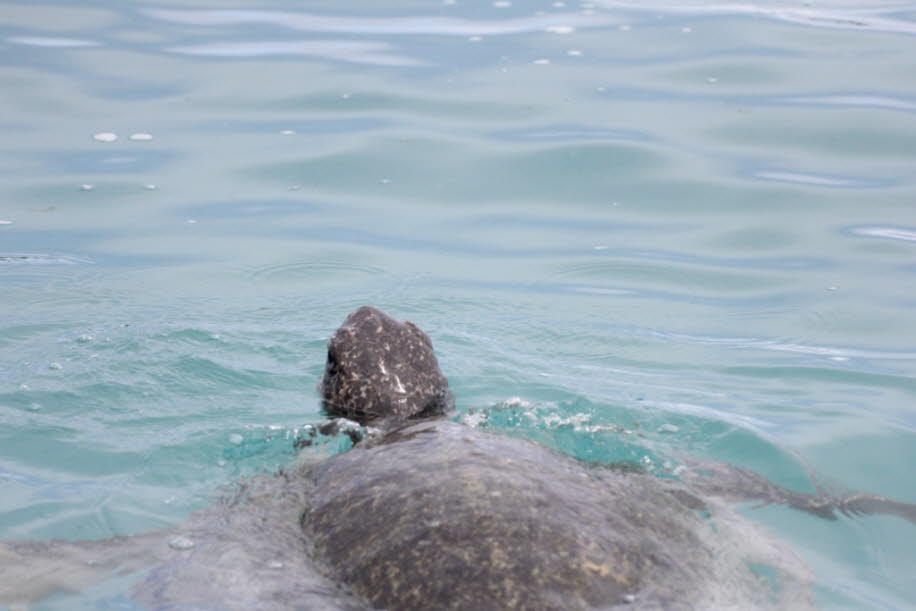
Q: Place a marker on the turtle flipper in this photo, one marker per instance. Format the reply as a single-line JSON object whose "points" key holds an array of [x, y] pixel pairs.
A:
{"points": [[33, 570], [870, 504], [740, 484]]}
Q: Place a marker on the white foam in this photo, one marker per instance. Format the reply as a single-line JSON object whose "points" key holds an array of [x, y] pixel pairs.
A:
{"points": [[181, 543]]}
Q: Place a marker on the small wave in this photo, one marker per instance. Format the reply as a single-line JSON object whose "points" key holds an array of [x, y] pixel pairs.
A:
{"points": [[573, 133], [836, 352], [819, 180], [373, 53], [887, 232], [854, 101], [886, 16], [411, 26], [40, 259], [50, 42], [64, 280]]}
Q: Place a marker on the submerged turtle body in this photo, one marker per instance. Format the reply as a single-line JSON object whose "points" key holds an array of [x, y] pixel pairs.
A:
{"points": [[439, 515]]}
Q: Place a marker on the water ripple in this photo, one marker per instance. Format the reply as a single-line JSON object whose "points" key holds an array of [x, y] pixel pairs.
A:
{"points": [[819, 180], [246, 209], [854, 101], [363, 52], [887, 232], [886, 16], [49, 42], [413, 26], [576, 133], [315, 272], [834, 352]]}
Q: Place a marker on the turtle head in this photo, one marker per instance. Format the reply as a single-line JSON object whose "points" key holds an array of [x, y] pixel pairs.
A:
{"points": [[379, 368]]}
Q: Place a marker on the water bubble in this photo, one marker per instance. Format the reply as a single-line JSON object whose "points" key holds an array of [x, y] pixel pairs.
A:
{"points": [[85, 338], [6, 222], [287, 132], [541, 62], [34, 407], [560, 29], [105, 137], [668, 428], [87, 187], [475, 38], [181, 543], [141, 137], [502, 3], [574, 52], [475, 419], [599, 247], [385, 181], [236, 439], [276, 564], [191, 221], [24, 387], [55, 366], [712, 79], [625, 28], [686, 30], [295, 187]]}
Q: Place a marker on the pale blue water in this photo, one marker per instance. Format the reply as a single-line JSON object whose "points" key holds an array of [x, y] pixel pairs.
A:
{"points": [[665, 230]]}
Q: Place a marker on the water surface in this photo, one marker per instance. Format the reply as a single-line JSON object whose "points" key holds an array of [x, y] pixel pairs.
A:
{"points": [[633, 230]]}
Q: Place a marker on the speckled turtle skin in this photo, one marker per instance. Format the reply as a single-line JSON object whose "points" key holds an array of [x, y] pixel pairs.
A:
{"points": [[381, 368], [437, 515]]}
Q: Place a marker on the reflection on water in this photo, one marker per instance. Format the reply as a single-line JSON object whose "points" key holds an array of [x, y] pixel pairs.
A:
{"points": [[632, 230]]}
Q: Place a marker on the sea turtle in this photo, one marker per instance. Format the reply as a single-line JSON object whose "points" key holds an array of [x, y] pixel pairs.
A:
{"points": [[428, 513]]}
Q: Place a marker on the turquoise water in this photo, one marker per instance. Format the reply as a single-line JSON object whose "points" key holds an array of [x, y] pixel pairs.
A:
{"points": [[633, 231]]}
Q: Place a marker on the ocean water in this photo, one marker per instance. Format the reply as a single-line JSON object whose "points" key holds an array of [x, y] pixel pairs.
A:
{"points": [[633, 230]]}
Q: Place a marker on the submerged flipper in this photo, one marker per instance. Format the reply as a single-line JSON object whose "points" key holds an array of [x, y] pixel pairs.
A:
{"points": [[740, 484], [33, 570]]}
